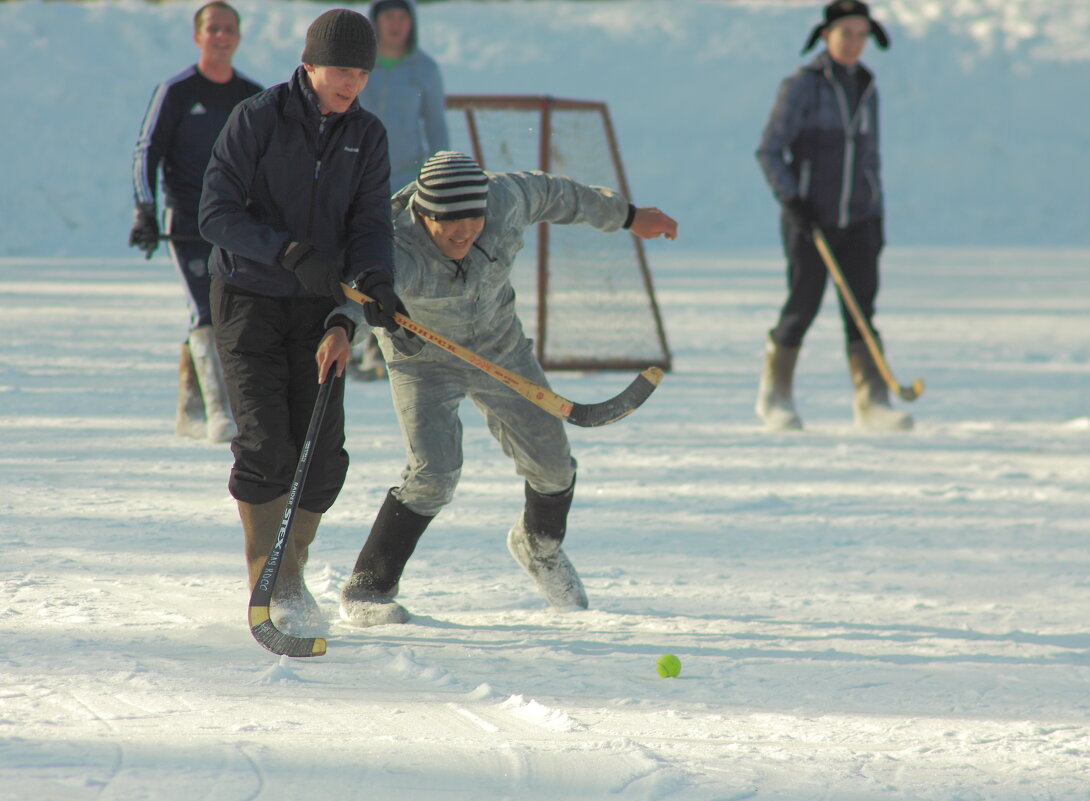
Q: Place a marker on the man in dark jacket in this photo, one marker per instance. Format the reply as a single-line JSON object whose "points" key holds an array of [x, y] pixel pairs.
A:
{"points": [[296, 200], [184, 117], [819, 153]]}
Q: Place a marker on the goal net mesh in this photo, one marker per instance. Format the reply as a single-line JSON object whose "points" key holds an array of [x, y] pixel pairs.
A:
{"points": [[585, 297]]}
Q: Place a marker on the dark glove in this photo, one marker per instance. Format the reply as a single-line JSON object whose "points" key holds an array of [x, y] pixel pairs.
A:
{"points": [[379, 311], [145, 229], [315, 272], [800, 211]]}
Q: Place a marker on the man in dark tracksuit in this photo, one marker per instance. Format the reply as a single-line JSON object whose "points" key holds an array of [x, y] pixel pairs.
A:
{"points": [[296, 200], [819, 153], [184, 117]]}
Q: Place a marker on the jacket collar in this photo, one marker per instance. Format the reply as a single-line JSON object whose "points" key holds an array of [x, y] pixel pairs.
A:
{"points": [[302, 103]]}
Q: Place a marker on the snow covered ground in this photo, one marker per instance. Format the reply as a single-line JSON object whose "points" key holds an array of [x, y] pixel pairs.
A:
{"points": [[859, 617]]}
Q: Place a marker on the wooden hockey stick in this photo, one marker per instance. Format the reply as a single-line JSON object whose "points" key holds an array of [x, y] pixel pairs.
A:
{"points": [[906, 393], [587, 415], [261, 625]]}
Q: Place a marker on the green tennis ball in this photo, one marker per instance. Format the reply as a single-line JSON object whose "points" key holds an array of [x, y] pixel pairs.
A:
{"points": [[668, 666]]}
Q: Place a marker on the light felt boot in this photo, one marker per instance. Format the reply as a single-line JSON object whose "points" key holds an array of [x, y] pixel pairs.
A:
{"points": [[367, 598], [292, 609], [189, 420], [534, 541], [221, 425], [775, 403], [870, 399]]}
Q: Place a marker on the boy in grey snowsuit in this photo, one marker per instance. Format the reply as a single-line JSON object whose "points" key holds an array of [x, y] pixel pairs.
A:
{"points": [[819, 153], [457, 230]]}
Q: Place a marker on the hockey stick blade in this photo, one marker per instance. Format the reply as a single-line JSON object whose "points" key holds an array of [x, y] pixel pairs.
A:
{"points": [[261, 625], [272, 639], [586, 415], [622, 405]]}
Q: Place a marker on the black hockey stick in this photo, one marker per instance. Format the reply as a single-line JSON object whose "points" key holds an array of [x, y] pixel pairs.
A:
{"points": [[580, 414], [261, 625], [906, 393]]}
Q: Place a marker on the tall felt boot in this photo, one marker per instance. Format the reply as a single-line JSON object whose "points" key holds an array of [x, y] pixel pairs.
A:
{"points": [[870, 400], [368, 596], [189, 420], [202, 345], [535, 541], [775, 404], [292, 609]]}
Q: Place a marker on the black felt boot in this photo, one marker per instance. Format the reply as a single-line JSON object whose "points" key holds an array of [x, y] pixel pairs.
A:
{"points": [[535, 541], [368, 597]]}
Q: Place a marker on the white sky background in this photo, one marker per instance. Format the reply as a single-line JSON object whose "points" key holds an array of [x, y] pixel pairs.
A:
{"points": [[859, 617]]}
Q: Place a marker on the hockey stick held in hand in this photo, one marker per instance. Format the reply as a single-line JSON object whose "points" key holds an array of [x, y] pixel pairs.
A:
{"points": [[587, 415], [905, 393], [261, 625]]}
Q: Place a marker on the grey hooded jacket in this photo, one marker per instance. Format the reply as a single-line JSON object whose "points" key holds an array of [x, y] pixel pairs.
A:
{"points": [[473, 303], [408, 97], [814, 146]]}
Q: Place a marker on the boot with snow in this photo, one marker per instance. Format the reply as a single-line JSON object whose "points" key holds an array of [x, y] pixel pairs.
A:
{"points": [[368, 596], [202, 346], [189, 420], [775, 404], [535, 541], [870, 401], [292, 609]]}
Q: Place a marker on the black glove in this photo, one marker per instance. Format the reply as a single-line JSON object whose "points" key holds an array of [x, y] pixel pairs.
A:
{"points": [[145, 229], [379, 311], [800, 211], [315, 272]]}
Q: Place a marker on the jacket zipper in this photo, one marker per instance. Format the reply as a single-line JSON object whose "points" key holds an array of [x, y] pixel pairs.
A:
{"points": [[317, 175]]}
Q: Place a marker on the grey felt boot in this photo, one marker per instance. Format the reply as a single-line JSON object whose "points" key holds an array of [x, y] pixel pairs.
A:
{"points": [[870, 399], [206, 360], [189, 420], [292, 609], [775, 403]]}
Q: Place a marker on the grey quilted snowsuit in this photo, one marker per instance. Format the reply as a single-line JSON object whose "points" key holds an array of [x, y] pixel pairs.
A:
{"points": [[473, 304]]}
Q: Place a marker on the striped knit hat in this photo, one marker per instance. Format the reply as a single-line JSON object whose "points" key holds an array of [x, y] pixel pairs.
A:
{"points": [[451, 186]]}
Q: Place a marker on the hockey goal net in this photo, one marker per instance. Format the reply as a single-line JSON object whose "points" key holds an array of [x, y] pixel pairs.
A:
{"points": [[589, 302]]}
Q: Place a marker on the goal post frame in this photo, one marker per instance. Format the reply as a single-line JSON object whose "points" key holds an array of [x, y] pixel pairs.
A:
{"points": [[544, 106]]}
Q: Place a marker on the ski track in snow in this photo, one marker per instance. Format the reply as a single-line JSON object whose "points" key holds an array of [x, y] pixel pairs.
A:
{"points": [[858, 616]]}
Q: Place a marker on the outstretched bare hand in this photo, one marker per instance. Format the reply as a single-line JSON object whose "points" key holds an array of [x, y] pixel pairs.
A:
{"points": [[649, 223]]}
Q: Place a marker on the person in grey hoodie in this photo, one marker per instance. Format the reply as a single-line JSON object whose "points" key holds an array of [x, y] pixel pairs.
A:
{"points": [[457, 230], [819, 153], [405, 92]]}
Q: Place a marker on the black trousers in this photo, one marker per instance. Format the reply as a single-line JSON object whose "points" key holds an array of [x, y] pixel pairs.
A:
{"points": [[267, 347], [190, 255], [856, 249]]}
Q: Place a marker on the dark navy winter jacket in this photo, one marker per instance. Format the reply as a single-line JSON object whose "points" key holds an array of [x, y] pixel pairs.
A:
{"points": [[279, 172], [818, 147]]}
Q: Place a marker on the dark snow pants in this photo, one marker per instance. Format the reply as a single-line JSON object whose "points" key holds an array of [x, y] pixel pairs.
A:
{"points": [[856, 249], [191, 261], [267, 346]]}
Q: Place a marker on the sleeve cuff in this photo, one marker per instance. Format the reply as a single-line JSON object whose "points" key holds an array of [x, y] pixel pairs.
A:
{"points": [[631, 216], [349, 315]]}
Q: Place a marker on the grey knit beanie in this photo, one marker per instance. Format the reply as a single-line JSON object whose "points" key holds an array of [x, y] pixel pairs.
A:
{"points": [[340, 38], [451, 186]]}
